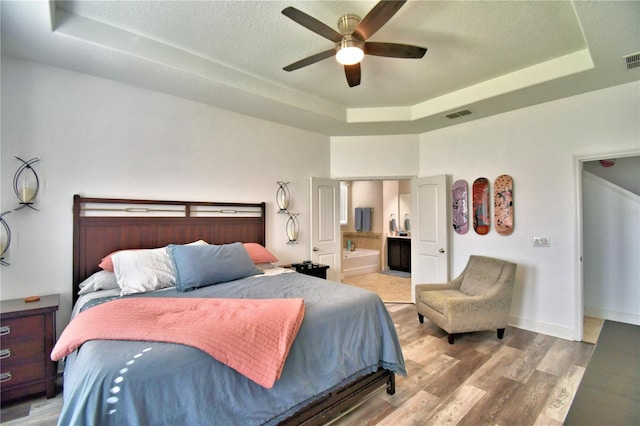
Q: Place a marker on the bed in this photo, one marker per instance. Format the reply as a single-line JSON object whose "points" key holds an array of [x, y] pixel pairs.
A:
{"points": [[346, 346]]}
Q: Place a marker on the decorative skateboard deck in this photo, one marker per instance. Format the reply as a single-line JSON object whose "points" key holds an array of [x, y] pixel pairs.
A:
{"points": [[481, 208], [503, 204], [460, 195]]}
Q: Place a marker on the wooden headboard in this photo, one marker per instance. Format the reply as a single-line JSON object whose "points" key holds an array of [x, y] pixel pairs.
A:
{"points": [[104, 225]]}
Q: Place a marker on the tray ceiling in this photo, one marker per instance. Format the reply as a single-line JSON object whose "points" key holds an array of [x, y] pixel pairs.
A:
{"points": [[486, 57]]}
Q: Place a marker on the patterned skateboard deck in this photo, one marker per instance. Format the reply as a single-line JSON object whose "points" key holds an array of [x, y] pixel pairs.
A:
{"points": [[503, 204], [460, 196], [481, 208]]}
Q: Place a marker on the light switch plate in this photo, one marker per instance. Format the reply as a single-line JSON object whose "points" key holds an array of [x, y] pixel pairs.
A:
{"points": [[541, 241]]}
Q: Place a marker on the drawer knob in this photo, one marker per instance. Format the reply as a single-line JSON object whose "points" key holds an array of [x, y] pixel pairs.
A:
{"points": [[5, 353], [5, 377], [4, 330]]}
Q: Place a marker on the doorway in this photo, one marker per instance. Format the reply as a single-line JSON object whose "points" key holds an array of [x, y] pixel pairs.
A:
{"points": [[608, 276], [386, 198]]}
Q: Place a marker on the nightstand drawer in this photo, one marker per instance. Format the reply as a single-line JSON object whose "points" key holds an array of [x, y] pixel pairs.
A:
{"points": [[21, 353], [22, 373], [22, 361], [15, 329]]}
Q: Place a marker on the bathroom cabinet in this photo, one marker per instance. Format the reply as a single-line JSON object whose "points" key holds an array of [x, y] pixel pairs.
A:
{"points": [[399, 254]]}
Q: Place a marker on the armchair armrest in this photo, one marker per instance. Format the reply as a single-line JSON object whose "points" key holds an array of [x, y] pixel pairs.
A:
{"points": [[451, 285]]}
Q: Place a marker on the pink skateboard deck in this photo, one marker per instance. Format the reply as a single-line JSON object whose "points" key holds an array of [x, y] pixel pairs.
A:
{"points": [[503, 204], [481, 208], [460, 195]]}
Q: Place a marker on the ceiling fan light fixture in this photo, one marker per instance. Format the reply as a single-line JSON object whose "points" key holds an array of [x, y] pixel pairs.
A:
{"points": [[350, 51], [351, 39]]}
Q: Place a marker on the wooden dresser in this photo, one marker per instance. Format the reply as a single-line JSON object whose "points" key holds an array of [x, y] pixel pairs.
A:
{"points": [[27, 336]]}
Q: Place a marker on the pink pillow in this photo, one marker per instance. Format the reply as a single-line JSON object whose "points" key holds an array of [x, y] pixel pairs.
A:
{"points": [[259, 254], [107, 262]]}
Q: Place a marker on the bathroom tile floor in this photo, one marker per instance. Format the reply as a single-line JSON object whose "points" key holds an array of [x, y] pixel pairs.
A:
{"points": [[390, 289]]}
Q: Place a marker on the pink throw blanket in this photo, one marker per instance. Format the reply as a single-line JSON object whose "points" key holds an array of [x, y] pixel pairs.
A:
{"points": [[252, 336]]}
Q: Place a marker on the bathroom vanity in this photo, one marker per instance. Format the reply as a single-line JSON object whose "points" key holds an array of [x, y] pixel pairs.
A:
{"points": [[399, 253]]}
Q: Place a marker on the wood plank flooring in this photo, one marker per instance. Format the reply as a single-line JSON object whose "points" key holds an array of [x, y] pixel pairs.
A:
{"points": [[525, 379]]}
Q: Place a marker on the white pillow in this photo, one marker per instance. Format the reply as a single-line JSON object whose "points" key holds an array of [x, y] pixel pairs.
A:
{"points": [[101, 280], [138, 271]]}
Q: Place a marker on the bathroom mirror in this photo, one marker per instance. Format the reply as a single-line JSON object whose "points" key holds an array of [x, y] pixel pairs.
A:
{"points": [[404, 208]]}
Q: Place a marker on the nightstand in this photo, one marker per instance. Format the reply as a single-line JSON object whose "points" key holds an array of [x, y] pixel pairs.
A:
{"points": [[313, 269], [27, 336]]}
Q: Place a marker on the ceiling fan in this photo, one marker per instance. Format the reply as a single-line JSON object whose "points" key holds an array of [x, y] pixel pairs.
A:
{"points": [[351, 42]]}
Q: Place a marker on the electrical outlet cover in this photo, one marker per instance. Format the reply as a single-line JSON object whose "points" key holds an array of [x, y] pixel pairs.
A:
{"points": [[541, 241]]}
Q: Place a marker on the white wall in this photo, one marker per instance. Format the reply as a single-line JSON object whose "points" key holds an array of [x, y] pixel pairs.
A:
{"points": [[624, 173], [611, 223], [538, 147], [100, 138], [354, 157]]}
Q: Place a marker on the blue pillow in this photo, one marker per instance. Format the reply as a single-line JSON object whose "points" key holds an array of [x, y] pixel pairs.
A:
{"points": [[200, 266]]}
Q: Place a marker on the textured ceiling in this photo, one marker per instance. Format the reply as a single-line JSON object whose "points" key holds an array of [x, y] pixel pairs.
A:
{"points": [[485, 56]]}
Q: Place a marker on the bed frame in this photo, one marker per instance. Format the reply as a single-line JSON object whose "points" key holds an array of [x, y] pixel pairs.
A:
{"points": [[104, 225]]}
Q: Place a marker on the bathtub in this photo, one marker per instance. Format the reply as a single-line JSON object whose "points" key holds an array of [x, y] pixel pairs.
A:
{"points": [[360, 261]]}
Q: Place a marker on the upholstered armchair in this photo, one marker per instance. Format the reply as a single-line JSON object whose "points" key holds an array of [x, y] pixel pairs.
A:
{"points": [[478, 299]]}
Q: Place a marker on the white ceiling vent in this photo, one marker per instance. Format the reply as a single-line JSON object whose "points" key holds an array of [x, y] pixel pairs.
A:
{"points": [[632, 61], [457, 114]]}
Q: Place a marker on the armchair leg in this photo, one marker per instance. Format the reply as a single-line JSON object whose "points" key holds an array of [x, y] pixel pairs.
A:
{"points": [[450, 338], [500, 333], [421, 318]]}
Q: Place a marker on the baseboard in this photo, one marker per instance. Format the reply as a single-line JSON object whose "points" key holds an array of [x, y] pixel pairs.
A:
{"points": [[540, 327], [625, 317]]}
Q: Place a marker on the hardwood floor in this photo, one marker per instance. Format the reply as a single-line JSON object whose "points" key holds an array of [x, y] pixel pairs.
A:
{"points": [[525, 379], [35, 412]]}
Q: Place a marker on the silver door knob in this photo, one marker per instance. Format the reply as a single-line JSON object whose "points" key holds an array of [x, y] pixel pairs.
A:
{"points": [[316, 249], [441, 250]]}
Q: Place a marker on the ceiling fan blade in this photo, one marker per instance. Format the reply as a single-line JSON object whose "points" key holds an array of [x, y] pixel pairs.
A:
{"points": [[353, 74], [310, 60], [394, 50], [312, 24], [377, 17]]}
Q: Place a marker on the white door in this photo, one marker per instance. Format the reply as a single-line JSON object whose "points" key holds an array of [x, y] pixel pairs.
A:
{"points": [[325, 225], [429, 231]]}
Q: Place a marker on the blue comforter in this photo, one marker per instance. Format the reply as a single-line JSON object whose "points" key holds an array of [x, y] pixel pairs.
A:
{"points": [[346, 333]]}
